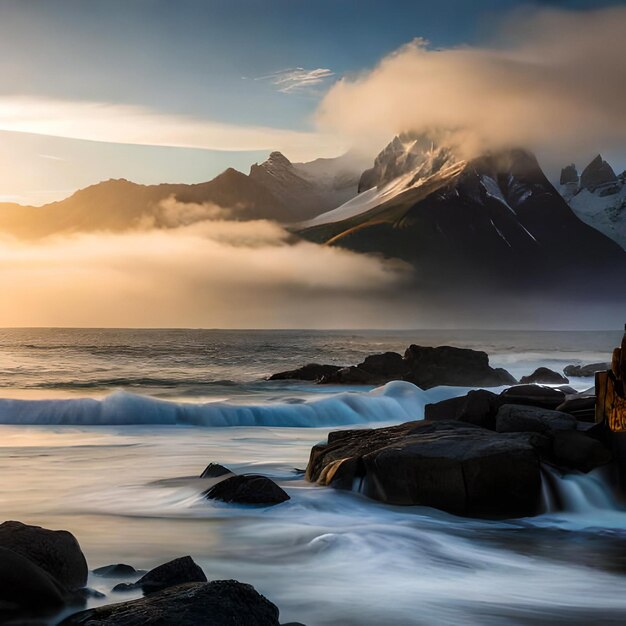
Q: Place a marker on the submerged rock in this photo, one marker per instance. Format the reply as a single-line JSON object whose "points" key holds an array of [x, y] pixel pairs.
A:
{"points": [[456, 467], [117, 570], [546, 376], [175, 572], [247, 489], [215, 470], [55, 551], [218, 603], [586, 370]]}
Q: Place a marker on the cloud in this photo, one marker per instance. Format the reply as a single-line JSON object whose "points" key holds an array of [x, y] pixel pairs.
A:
{"points": [[297, 79], [551, 80], [125, 124], [210, 274]]}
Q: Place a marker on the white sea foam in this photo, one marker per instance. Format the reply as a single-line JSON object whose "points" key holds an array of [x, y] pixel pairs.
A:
{"points": [[396, 401]]}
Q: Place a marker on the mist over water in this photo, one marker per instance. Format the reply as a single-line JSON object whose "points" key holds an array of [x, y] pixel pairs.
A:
{"points": [[130, 492]]}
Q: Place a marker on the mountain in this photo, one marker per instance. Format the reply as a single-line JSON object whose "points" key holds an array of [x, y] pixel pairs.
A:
{"points": [[598, 197], [275, 190], [313, 187], [491, 221]]}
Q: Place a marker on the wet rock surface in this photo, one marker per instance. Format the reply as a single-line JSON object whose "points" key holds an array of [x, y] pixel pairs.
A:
{"points": [[247, 489], [175, 572], [217, 603]]}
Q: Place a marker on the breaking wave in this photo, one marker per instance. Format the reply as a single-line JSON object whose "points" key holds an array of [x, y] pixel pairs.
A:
{"points": [[395, 401]]}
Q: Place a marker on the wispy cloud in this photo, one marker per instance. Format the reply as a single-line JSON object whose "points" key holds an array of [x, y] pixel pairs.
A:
{"points": [[297, 78], [125, 124]]}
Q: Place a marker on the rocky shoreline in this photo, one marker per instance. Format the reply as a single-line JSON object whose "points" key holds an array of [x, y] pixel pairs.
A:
{"points": [[43, 574], [429, 367]]}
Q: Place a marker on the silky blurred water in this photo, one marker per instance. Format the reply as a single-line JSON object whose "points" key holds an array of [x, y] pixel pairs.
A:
{"points": [[130, 493]]}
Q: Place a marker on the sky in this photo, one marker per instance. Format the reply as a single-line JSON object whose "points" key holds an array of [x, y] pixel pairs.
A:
{"points": [[155, 91]]}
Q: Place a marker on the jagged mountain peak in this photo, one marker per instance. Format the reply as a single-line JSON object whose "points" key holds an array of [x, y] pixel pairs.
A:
{"points": [[424, 154], [597, 174]]}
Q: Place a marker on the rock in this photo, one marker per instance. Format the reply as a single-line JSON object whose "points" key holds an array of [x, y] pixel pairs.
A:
{"points": [[445, 365], [312, 371], [424, 366], [582, 407], [514, 418], [26, 588], [55, 551], [576, 450], [597, 174], [176, 572], [215, 470], [352, 375], [534, 395], [569, 174], [218, 603], [586, 370], [247, 489], [451, 466], [546, 376], [388, 366], [477, 407], [118, 570]]}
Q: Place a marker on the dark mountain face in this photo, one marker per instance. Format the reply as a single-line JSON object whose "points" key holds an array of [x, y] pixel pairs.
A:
{"points": [[496, 222], [597, 174]]}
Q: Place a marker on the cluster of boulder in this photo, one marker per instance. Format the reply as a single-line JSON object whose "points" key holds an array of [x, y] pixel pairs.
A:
{"points": [[43, 574], [478, 455], [423, 366], [429, 367]]}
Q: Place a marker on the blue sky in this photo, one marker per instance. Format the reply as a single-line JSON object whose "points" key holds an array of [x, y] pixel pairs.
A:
{"points": [[208, 61]]}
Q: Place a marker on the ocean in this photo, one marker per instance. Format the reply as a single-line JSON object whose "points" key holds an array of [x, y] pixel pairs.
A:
{"points": [[104, 433]]}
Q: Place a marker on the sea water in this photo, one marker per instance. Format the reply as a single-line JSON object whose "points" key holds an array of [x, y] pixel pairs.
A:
{"points": [[105, 432]]}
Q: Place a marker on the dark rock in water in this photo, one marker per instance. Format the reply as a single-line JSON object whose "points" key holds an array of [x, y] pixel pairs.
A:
{"points": [[451, 466], [376, 369], [352, 375], [577, 450], [26, 588], [218, 603], [586, 370], [117, 570], [388, 365], [247, 489], [477, 407], [597, 174], [583, 408], [534, 395], [569, 174], [544, 375], [177, 572], [312, 371], [55, 551], [515, 418], [446, 365], [80, 596], [424, 366], [215, 470]]}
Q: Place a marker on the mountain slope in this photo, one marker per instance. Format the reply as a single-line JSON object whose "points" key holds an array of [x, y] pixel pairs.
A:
{"points": [[495, 220], [313, 187], [598, 197], [117, 205]]}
